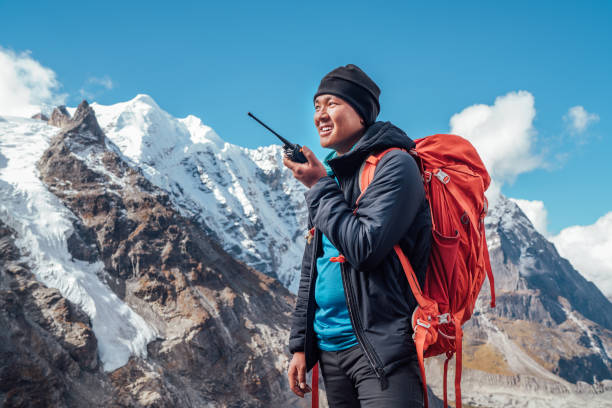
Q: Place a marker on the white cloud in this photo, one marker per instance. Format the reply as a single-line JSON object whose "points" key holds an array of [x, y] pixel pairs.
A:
{"points": [[579, 119], [94, 86], [105, 81], [503, 135], [589, 249], [26, 87], [536, 212]]}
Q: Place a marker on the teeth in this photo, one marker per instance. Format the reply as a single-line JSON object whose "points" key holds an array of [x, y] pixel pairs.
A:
{"points": [[326, 128]]}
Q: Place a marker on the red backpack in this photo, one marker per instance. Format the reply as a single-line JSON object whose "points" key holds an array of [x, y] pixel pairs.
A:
{"points": [[455, 180]]}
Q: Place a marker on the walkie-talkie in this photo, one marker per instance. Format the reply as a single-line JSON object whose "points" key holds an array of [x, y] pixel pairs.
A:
{"points": [[292, 151]]}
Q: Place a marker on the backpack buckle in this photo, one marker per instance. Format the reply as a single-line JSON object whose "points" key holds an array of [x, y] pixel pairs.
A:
{"points": [[442, 176], [444, 318], [425, 325], [427, 176]]}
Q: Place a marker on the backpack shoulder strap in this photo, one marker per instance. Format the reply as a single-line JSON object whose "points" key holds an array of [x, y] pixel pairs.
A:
{"points": [[366, 173]]}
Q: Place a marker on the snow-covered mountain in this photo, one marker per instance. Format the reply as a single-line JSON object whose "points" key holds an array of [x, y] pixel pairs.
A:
{"points": [[110, 297], [241, 197], [44, 228]]}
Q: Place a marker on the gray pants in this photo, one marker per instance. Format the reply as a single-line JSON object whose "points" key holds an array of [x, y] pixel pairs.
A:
{"points": [[350, 382]]}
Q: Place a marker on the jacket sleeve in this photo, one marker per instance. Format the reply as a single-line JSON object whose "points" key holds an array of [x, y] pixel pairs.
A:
{"points": [[386, 211], [297, 336]]}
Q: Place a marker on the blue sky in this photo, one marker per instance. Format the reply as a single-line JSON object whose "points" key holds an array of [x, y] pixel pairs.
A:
{"points": [[218, 60]]}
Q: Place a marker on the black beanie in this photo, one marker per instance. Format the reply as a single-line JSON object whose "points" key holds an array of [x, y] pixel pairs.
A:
{"points": [[354, 86]]}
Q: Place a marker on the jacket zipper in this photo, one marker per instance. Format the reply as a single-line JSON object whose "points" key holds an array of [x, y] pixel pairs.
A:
{"points": [[313, 265], [370, 354]]}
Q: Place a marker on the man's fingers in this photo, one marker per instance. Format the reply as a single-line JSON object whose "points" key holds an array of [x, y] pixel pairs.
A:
{"points": [[293, 383], [309, 155], [292, 373], [289, 164], [306, 173], [296, 390], [302, 377], [296, 168]]}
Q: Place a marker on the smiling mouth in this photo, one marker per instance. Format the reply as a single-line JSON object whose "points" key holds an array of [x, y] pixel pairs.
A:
{"points": [[325, 130]]}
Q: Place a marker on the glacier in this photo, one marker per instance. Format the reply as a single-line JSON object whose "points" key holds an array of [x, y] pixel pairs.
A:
{"points": [[43, 225]]}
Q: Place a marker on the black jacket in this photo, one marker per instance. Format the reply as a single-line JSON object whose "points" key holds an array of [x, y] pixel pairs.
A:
{"points": [[392, 210]]}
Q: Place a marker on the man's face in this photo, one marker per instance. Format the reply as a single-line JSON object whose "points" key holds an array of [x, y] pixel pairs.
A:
{"points": [[339, 125]]}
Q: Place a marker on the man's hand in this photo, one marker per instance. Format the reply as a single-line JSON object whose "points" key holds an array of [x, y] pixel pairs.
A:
{"points": [[306, 173], [297, 373]]}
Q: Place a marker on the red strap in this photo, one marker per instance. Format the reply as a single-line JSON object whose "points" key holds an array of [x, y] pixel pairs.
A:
{"points": [[426, 179], [458, 341], [419, 342], [368, 172], [315, 386], [489, 271], [448, 357], [369, 167], [340, 258], [420, 334], [412, 280]]}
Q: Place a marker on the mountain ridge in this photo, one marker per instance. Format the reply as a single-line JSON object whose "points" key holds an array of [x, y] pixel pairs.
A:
{"points": [[251, 206]]}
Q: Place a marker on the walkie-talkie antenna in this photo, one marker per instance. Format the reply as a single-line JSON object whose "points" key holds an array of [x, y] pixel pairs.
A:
{"points": [[285, 141], [292, 151]]}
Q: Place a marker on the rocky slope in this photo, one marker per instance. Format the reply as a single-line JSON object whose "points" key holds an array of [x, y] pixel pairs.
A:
{"points": [[241, 197], [48, 351], [220, 327]]}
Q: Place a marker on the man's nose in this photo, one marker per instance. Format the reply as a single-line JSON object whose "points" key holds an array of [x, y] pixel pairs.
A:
{"points": [[322, 112]]}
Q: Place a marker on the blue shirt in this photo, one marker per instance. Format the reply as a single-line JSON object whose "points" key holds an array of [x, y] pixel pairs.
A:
{"points": [[332, 322]]}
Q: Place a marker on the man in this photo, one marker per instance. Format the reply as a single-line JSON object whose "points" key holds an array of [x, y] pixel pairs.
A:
{"points": [[354, 303]]}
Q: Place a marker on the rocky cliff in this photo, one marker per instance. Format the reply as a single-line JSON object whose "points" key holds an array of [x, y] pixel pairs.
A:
{"points": [[243, 198], [48, 351], [220, 327]]}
